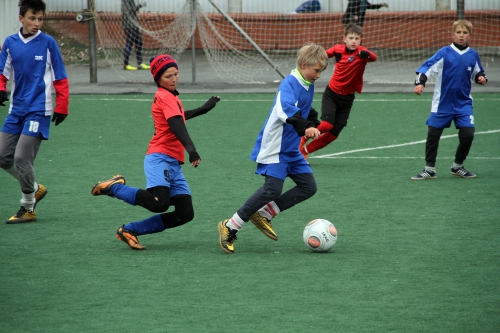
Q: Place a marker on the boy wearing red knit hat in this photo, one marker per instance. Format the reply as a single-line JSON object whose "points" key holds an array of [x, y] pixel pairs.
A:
{"points": [[165, 183]]}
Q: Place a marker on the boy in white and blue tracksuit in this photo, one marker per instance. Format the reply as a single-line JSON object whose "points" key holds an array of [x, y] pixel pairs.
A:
{"points": [[456, 66], [276, 150]]}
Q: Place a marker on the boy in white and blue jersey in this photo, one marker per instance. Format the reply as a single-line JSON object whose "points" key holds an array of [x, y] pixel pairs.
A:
{"points": [[31, 60], [456, 66], [276, 150]]}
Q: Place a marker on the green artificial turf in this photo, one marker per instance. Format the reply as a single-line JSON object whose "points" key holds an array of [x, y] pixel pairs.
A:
{"points": [[411, 256]]}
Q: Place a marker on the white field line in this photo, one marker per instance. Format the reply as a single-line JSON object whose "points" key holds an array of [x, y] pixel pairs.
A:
{"points": [[334, 155], [271, 100], [404, 157]]}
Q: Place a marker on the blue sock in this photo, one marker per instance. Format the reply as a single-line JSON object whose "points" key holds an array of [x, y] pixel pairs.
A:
{"points": [[150, 225], [124, 192]]}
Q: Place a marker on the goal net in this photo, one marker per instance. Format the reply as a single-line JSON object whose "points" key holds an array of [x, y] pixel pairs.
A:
{"points": [[255, 41]]}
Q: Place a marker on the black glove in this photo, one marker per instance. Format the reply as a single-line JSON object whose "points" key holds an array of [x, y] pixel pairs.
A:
{"points": [[193, 155], [364, 54], [421, 79], [210, 104], [478, 75], [3, 97], [58, 118]]}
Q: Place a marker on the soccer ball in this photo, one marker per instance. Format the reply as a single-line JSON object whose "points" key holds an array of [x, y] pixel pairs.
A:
{"points": [[320, 235]]}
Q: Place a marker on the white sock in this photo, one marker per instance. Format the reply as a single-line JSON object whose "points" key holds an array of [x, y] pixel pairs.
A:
{"points": [[28, 201], [428, 168], [456, 166], [269, 210], [235, 222], [13, 171]]}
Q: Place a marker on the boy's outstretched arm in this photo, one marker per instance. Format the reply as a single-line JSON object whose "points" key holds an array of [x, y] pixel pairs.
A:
{"points": [[209, 105], [180, 131], [365, 54]]}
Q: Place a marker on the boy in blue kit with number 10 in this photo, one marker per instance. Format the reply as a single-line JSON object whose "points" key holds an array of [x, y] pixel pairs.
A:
{"points": [[457, 65], [31, 60], [276, 150]]}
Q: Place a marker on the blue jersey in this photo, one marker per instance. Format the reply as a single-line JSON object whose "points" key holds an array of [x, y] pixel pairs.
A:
{"points": [[455, 69], [278, 141], [31, 64]]}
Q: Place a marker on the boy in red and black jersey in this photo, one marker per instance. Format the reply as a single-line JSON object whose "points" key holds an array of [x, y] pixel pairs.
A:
{"points": [[350, 62]]}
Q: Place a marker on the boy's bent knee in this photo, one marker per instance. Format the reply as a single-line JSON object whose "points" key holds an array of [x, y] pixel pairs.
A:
{"points": [[183, 207], [6, 163], [310, 190], [272, 187], [466, 133], [157, 207], [185, 215]]}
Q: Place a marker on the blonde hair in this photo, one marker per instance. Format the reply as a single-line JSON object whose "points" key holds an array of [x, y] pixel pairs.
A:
{"points": [[462, 23], [312, 54]]}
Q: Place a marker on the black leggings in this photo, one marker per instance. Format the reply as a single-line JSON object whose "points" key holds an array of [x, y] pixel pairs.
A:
{"points": [[465, 138], [158, 200]]}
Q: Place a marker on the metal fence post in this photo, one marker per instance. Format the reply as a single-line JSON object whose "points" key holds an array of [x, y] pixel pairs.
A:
{"points": [[92, 42], [461, 9]]}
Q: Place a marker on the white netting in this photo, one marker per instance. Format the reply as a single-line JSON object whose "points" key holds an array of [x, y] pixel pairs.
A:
{"points": [[150, 35], [241, 42]]}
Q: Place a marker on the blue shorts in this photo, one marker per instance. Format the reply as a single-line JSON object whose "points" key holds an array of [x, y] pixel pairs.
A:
{"points": [[283, 169], [163, 170], [35, 124], [443, 120]]}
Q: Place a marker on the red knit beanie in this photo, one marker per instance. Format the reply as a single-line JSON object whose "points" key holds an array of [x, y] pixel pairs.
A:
{"points": [[160, 64]]}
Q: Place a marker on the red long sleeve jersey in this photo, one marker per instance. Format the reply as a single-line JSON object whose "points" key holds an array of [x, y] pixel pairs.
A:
{"points": [[347, 77]]}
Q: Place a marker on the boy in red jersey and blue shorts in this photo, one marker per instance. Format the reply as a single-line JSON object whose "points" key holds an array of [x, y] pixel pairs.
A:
{"points": [[350, 62], [31, 60], [165, 183]]}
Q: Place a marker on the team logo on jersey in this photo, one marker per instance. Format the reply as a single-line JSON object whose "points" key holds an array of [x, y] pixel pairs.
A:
{"points": [[39, 57], [351, 58], [469, 69]]}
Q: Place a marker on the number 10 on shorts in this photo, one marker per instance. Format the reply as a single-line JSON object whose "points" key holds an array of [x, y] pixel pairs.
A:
{"points": [[34, 126]]}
